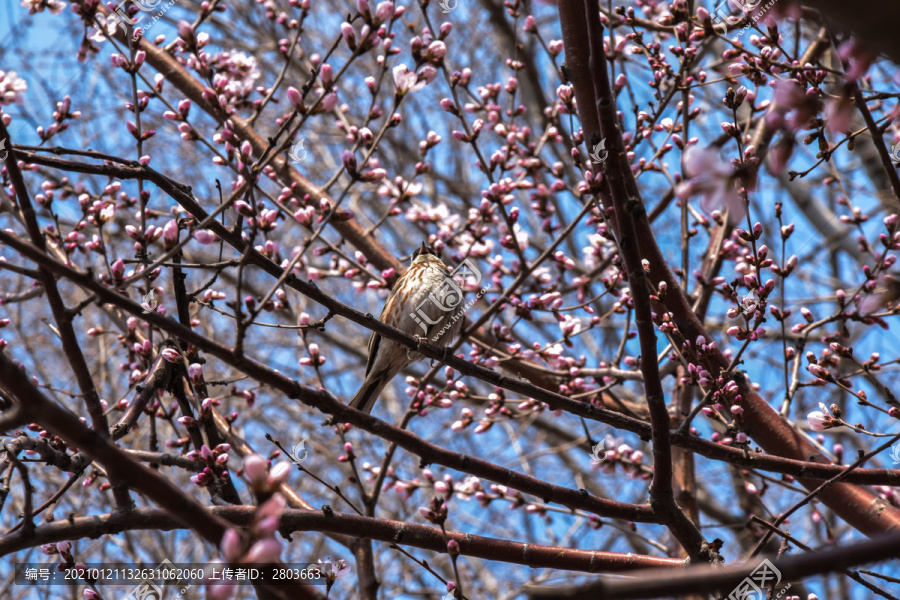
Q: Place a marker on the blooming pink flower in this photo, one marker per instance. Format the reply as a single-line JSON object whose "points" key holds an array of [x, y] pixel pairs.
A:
{"points": [[107, 29], [12, 88], [172, 356], [820, 420], [35, 6], [406, 81], [715, 180], [793, 107], [888, 290], [860, 59], [839, 114]]}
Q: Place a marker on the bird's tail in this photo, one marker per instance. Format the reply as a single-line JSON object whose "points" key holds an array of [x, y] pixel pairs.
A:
{"points": [[368, 394]]}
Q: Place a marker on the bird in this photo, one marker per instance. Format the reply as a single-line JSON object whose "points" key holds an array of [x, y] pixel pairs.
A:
{"points": [[423, 303]]}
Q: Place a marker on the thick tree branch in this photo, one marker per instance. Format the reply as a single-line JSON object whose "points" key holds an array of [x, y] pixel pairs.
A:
{"points": [[384, 530], [66, 425], [859, 507], [704, 579], [583, 39]]}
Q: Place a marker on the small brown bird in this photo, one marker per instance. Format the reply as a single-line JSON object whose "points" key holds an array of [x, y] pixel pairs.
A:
{"points": [[426, 302]]}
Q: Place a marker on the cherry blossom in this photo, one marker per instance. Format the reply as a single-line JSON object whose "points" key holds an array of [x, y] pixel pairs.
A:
{"points": [[407, 81], [12, 88], [715, 181]]}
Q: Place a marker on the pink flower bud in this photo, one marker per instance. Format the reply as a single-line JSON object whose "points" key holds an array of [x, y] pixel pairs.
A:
{"points": [[118, 270], [362, 6], [435, 51], [264, 551], [294, 97], [326, 74], [530, 25], [204, 236], [349, 35], [349, 160], [231, 545], [255, 468], [186, 32], [384, 12], [49, 549], [170, 234], [278, 474], [171, 355]]}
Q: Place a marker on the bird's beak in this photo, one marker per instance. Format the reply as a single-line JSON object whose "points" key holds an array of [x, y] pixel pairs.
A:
{"points": [[424, 248]]}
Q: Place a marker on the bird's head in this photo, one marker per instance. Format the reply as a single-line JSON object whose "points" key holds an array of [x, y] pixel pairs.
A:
{"points": [[424, 254]]}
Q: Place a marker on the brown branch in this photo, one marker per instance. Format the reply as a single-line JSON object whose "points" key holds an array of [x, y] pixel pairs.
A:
{"points": [[878, 139], [308, 193], [63, 318], [27, 504], [823, 486], [586, 60], [854, 575], [738, 457], [857, 506], [49, 454], [323, 401], [706, 579], [384, 530], [878, 34], [66, 425], [159, 379]]}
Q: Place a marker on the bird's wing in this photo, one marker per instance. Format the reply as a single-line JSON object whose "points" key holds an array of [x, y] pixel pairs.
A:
{"points": [[375, 339]]}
